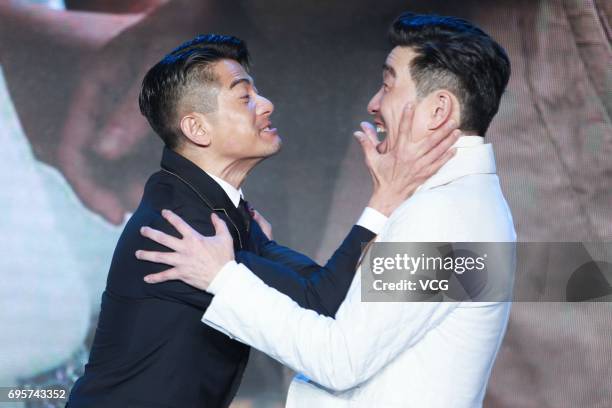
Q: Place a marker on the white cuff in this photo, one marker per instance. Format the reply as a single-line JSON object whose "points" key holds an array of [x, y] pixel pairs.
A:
{"points": [[372, 220], [222, 277], [237, 284]]}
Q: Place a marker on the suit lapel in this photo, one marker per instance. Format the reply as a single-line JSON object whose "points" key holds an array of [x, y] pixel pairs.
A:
{"points": [[209, 192]]}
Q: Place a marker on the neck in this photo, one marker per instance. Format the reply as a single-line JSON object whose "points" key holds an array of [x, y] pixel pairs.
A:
{"points": [[232, 171]]}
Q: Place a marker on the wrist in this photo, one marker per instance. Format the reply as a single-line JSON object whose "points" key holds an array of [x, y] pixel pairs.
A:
{"points": [[384, 204]]}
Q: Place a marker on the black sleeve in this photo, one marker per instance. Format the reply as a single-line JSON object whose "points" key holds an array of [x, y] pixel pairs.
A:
{"points": [[320, 288], [176, 290]]}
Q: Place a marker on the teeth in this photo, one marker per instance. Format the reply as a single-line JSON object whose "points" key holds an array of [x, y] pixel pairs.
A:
{"points": [[380, 129]]}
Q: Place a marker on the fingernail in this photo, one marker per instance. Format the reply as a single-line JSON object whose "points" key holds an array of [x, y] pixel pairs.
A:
{"points": [[147, 279], [137, 253], [142, 230], [165, 212], [359, 135]]}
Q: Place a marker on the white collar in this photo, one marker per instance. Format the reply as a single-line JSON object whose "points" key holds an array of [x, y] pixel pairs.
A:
{"points": [[473, 157], [234, 194], [469, 141]]}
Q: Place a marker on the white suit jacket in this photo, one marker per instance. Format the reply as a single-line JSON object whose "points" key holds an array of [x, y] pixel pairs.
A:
{"points": [[429, 354]]}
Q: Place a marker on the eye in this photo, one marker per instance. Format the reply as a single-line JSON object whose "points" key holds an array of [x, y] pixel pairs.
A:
{"points": [[385, 87], [246, 98]]}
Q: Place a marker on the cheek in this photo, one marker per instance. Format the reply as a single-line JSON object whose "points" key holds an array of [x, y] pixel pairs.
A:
{"points": [[391, 111], [420, 124], [241, 120]]}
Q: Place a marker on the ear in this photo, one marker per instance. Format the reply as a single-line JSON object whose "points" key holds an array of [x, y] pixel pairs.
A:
{"points": [[443, 106], [197, 128]]}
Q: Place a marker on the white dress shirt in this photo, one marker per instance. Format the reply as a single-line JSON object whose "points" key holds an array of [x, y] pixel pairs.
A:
{"points": [[234, 194], [430, 354]]}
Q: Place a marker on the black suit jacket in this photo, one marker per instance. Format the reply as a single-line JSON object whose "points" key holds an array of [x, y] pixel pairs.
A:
{"points": [[150, 347]]}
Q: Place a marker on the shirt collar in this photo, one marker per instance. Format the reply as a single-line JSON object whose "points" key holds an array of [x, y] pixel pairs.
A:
{"points": [[473, 156], [209, 189], [469, 141], [232, 192]]}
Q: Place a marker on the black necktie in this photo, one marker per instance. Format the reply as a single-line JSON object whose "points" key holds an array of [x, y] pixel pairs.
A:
{"points": [[245, 213]]}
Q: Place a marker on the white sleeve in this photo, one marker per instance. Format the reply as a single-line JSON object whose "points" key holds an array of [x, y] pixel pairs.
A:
{"points": [[372, 220], [337, 353], [222, 276]]}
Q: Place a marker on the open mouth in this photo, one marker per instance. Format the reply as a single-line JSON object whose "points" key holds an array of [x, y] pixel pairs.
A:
{"points": [[268, 127], [380, 127], [268, 130]]}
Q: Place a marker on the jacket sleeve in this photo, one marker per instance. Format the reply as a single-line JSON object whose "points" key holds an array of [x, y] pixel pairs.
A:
{"points": [[337, 353], [320, 288], [312, 286]]}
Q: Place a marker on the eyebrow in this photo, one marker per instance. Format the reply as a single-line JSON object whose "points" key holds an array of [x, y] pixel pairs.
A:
{"points": [[389, 69], [237, 81]]}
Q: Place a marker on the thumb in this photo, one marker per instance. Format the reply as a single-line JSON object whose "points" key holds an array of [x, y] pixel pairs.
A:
{"points": [[367, 141], [220, 225], [370, 132]]}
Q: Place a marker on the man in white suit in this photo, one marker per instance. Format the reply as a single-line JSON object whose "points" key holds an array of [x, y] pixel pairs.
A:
{"points": [[411, 354]]}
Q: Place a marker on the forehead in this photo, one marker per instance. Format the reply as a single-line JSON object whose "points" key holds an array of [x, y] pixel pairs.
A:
{"points": [[228, 71], [398, 61]]}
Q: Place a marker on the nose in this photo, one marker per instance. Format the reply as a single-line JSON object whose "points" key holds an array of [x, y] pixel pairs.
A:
{"points": [[264, 106], [374, 104]]}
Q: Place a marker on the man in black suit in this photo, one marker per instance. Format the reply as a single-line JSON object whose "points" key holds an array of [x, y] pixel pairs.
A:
{"points": [[150, 348]]}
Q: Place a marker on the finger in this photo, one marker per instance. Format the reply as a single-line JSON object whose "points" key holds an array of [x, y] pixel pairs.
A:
{"points": [[404, 133], [368, 142], [370, 132], [170, 274], [256, 216], [177, 222], [432, 168], [440, 149], [449, 130], [251, 209], [161, 238], [168, 258], [72, 157], [124, 129], [220, 226]]}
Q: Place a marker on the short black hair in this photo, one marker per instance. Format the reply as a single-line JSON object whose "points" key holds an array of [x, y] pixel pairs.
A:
{"points": [[454, 54], [185, 76]]}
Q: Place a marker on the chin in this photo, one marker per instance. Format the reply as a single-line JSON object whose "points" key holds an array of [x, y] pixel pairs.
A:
{"points": [[276, 145], [275, 151], [270, 149]]}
